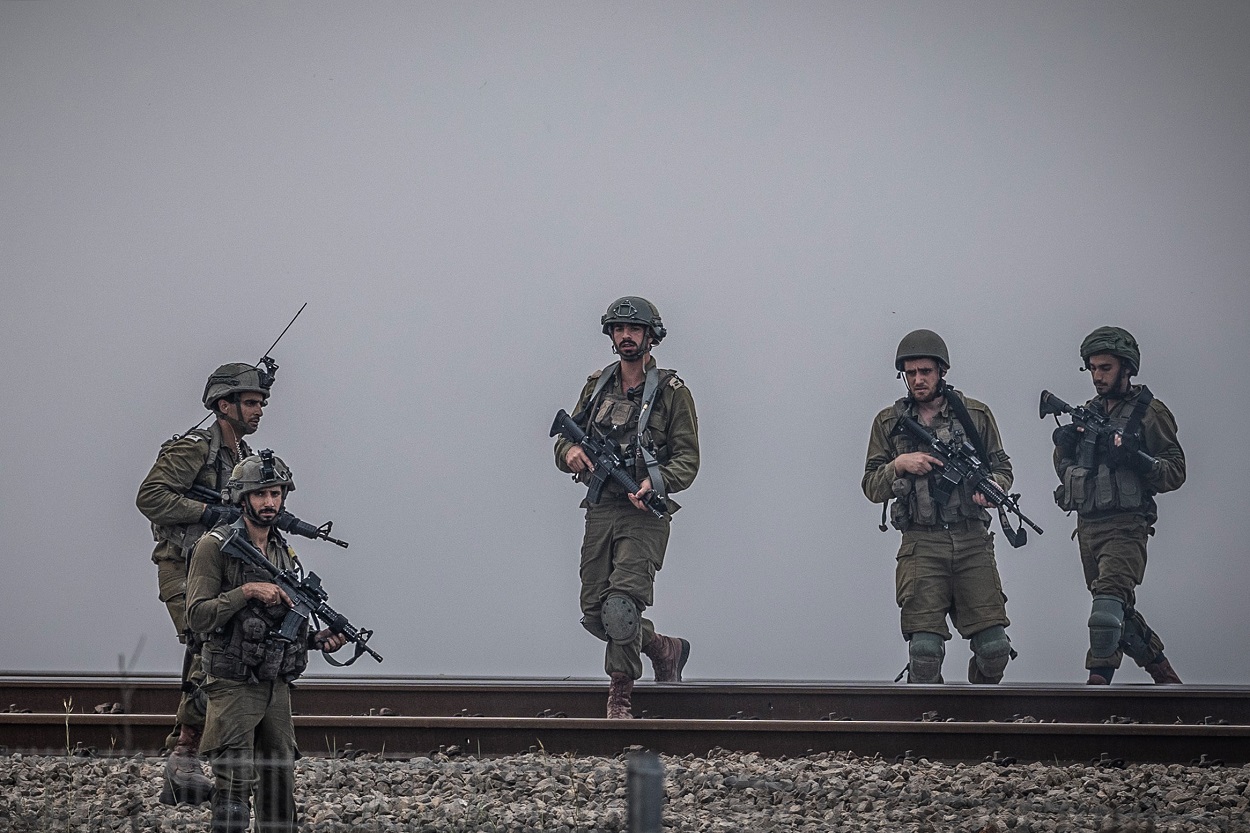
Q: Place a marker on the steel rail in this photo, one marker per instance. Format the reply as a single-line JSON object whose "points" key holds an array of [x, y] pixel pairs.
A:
{"points": [[407, 736], [695, 700]]}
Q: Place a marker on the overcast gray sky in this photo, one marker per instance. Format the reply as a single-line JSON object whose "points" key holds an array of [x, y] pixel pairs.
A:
{"points": [[459, 190]]}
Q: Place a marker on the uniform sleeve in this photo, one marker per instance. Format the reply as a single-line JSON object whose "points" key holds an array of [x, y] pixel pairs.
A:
{"points": [[682, 436], [160, 497], [879, 476], [208, 608], [1159, 437], [563, 445], [999, 462]]}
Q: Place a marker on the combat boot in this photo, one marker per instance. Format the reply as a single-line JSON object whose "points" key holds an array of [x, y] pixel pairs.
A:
{"points": [[620, 692], [1162, 672], [1097, 679], [229, 815], [185, 781], [668, 655]]}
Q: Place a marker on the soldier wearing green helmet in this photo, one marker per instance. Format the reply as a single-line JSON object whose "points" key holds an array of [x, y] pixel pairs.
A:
{"points": [[945, 565], [650, 413], [1114, 502], [234, 609], [236, 394]]}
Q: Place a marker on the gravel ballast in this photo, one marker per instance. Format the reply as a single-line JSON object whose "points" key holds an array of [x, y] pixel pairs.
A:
{"points": [[722, 792]]}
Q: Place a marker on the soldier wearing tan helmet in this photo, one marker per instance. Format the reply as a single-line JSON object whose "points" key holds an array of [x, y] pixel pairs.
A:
{"points": [[945, 566], [236, 395], [235, 609], [650, 413], [1114, 503]]}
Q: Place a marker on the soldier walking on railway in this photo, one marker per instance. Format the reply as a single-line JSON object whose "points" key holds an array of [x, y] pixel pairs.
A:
{"points": [[235, 610], [946, 563], [236, 394], [650, 413], [1114, 502]]}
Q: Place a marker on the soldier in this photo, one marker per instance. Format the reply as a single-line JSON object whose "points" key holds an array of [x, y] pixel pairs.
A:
{"points": [[248, 735], [946, 562], [1114, 503], [236, 394], [650, 413]]}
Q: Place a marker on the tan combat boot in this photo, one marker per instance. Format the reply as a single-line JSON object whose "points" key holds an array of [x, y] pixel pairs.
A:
{"points": [[620, 692], [185, 781], [1163, 673], [668, 655]]}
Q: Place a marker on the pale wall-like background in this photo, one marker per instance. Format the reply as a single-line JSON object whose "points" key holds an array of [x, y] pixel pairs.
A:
{"points": [[458, 191]]}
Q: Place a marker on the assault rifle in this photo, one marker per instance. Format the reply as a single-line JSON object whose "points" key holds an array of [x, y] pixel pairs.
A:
{"points": [[308, 600], [286, 521], [1097, 426], [961, 464], [609, 464]]}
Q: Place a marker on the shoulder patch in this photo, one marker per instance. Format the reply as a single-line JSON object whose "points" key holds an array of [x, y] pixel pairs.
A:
{"points": [[221, 538], [674, 381]]}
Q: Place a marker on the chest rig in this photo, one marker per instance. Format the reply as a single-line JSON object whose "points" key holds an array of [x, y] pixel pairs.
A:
{"points": [[621, 417], [1102, 489], [246, 649], [916, 502]]}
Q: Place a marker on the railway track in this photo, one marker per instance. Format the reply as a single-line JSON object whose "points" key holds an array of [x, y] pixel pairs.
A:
{"points": [[402, 716]]}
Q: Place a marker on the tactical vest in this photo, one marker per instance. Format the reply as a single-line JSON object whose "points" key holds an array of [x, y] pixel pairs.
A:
{"points": [[915, 501], [245, 649], [1102, 489], [622, 417], [213, 474]]}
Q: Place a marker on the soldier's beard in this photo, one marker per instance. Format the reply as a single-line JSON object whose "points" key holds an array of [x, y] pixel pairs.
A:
{"points": [[630, 354], [266, 520]]}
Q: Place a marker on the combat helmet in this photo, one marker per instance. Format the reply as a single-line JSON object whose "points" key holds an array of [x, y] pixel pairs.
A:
{"points": [[1115, 341], [237, 377], [634, 310], [259, 471], [922, 344]]}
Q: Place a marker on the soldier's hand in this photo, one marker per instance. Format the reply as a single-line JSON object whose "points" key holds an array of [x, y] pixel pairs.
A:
{"points": [[328, 641], [266, 593], [577, 460], [917, 462], [644, 489]]}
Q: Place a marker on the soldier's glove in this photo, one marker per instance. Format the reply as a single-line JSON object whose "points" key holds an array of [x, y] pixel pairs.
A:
{"points": [[1066, 438], [215, 514]]}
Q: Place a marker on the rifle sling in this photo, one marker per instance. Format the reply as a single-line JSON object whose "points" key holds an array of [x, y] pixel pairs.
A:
{"points": [[650, 388]]}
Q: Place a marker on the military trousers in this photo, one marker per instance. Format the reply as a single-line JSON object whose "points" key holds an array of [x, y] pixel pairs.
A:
{"points": [[249, 739], [171, 577], [622, 551], [1113, 559], [943, 572]]}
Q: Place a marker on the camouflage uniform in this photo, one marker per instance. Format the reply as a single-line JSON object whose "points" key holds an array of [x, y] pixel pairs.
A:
{"points": [[198, 457], [1116, 512], [945, 565], [623, 546], [249, 735]]}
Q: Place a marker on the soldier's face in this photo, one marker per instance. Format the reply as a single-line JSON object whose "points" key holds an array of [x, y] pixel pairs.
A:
{"points": [[630, 340], [922, 377], [251, 407], [1104, 369], [266, 503]]}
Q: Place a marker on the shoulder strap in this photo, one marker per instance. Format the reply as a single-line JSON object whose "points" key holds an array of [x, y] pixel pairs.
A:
{"points": [[650, 388], [965, 419], [1140, 407], [606, 375]]}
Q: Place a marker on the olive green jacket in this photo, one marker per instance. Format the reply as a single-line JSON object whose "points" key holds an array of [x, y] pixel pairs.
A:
{"points": [[673, 429], [879, 473], [198, 457], [215, 580]]}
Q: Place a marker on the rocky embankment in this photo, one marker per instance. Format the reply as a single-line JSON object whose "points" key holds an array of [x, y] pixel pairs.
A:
{"points": [[722, 792]]}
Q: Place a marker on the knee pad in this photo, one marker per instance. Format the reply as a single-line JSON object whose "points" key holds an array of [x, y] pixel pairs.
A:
{"points": [[621, 618], [992, 650], [925, 653], [595, 627], [1106, 626], [1135, 638]]}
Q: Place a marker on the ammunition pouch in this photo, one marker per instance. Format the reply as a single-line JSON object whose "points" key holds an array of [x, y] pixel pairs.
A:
{"points": [[249, 651], [1101, 490]]}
